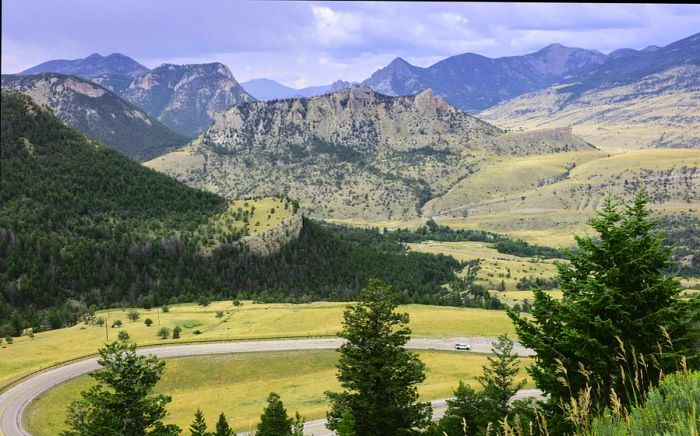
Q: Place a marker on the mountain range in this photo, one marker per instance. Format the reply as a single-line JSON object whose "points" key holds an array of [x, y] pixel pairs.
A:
{"points": [[267, 89], [98, 112], [636, 99], [183, 97]]}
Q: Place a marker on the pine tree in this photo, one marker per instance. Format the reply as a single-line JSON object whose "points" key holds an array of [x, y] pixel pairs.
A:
{"points": [[222, 427], [378, 374], [464, 415], [121, 404], [274, 420], [499, 378], [199, 425], [616, 308]]}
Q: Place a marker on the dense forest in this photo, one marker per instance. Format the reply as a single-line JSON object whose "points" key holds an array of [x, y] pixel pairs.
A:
{"points": [[83, 227]]}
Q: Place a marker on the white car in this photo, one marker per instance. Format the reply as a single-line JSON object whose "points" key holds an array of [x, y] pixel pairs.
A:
{"points": [[463, 347]]}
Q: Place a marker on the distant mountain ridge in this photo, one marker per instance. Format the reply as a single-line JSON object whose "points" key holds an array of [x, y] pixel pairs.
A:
{"points": [[267, 89], [473, 82], [98, 112], [92, 66], [636, 99]]}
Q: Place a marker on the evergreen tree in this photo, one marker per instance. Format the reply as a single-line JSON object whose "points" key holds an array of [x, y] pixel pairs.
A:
{"points": [[222, 427], [464, 414], [274, 420], [609, 329], [199, 425], [499, 378], [121, 404], [378, 374]]}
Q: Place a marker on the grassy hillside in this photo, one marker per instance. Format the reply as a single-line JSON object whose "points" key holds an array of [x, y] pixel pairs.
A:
{"points": [[659, 110], [82, 226]]}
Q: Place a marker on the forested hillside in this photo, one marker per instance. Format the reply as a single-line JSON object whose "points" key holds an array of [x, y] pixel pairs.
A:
{"points": [[82, 226]]}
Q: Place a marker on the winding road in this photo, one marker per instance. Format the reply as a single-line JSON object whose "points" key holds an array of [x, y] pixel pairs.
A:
{"points": [[14, 401]]}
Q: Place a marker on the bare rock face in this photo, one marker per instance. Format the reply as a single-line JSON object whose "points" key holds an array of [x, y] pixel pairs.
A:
{"points": [[98, 112], [272, 240], [351, 153], [186, 97]]}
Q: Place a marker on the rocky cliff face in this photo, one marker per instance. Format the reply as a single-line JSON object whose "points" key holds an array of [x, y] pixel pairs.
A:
{"points": [[351, 153], [358, 120], [271, 241], [98, 112], [186, 97]]}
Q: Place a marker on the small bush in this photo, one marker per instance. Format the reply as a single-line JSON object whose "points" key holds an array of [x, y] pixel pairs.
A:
{"points": [[117, 323], [133, 315], [165, 309], [148, 322], [123, 335], [164, 332], [219, 313], [100, 321], [176, 332], [197, 332]]}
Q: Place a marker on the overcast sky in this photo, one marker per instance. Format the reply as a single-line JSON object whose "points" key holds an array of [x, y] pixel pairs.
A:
{"points": [[312, 43]]}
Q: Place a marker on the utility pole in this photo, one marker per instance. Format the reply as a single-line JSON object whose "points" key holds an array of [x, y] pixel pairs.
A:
{"points": [[106, 327], [158, 314]]}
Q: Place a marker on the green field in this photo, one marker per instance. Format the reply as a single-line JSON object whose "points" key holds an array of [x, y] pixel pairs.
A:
{"points": [[249, 321], [239, 383], [495, 267]]}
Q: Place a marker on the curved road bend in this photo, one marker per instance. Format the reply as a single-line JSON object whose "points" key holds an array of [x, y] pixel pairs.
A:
{"points": [[14, 401]]}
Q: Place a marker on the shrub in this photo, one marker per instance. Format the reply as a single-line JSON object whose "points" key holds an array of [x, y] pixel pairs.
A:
{"points": [[100, 321], [117, 323], [123, 335], [165, 309], [219, 313], [671, 408], [176, 332], [133, 315], [148, 322], [164, 332]]}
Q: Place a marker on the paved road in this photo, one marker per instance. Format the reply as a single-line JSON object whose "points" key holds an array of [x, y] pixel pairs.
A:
{"points": [[14, 401]]}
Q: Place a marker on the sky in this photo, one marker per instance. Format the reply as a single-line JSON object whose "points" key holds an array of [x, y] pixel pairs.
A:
{"points": [[313, 43]]}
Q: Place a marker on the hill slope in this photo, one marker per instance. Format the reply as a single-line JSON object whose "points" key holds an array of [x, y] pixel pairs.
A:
{"points": [[99, 113], [186, 97], [83, 226], [659, 110], [352, 153]]}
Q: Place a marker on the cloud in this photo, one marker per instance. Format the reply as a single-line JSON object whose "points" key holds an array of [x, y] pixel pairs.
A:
{"points": [[320, 42]]}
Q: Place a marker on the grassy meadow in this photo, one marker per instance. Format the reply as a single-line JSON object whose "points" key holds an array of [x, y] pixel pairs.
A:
{"points": [[249, 321], [239, 383]]}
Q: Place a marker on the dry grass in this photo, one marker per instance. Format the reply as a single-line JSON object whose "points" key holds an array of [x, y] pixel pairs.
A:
{"points": [[239, 383], [249, 321]]}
